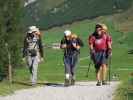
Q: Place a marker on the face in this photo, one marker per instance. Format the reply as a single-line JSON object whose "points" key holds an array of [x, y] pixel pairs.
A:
{"points": [[104, 31], [35, 33], [68, 37], [99, 31]]}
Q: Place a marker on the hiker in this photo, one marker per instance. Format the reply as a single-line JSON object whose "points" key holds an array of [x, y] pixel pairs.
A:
{"points": [[71, 44], [100, 50], [33, 51]]}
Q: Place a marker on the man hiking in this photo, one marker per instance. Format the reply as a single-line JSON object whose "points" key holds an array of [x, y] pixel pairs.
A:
{"points": [[33, 51], [100, 49], [71, 44]]}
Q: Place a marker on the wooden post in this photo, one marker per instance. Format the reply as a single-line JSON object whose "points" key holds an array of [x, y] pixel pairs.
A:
{"points": [[10, 69], [9, 64]]}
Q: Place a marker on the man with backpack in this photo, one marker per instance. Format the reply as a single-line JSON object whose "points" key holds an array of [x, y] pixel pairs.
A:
{"points": [[71, 44], [33, 51], [100, 49]]}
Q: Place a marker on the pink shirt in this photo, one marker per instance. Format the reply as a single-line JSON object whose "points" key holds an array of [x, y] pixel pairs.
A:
{"points": [[101, 43]]}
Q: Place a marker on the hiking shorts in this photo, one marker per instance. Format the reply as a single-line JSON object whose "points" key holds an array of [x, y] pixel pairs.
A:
{"points": [[99, 58]]}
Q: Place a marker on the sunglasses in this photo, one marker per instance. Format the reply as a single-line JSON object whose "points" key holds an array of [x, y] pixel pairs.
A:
{"points": [[99, 29]]}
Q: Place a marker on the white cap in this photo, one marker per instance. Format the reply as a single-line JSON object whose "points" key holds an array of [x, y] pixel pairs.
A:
{"points": [[67, 32], [33, 29]]}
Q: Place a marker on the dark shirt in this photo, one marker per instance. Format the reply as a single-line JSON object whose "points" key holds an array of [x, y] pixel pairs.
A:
{"points": [[70, 50]]}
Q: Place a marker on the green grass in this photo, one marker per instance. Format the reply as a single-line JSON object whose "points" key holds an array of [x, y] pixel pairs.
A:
{"points": [[52, 69], [125, 89], [121, 92]]}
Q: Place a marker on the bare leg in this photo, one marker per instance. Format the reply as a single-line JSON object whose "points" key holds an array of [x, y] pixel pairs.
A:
{"points": [[104, 74], [98, 76], [104, 71]]}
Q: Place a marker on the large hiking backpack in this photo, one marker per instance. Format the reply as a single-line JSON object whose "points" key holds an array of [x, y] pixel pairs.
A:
{"points": [[32, 46]]}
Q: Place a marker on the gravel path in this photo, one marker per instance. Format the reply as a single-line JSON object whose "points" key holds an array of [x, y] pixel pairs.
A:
{"points": [[81, 91]]}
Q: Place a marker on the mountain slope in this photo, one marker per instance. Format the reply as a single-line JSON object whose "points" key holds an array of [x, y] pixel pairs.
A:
{"points": [[50, 13], [125, 20]]}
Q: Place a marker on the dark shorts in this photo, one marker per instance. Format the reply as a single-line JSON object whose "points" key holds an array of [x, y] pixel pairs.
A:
{"points": [[99, 58]]}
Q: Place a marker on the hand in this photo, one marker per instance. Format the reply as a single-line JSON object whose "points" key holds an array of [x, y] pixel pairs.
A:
{"points": [[78, 47], [92, 54], [23, 59], [74, 44], [63, 46], [92, 51], [110, 52], [42, 59]]}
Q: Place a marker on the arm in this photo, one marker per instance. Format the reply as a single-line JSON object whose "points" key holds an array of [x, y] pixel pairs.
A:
{"points": [[91, 47], [80, 43], [91, 43], [40, 47], [63, 44], [109, 45], [109, 42]]}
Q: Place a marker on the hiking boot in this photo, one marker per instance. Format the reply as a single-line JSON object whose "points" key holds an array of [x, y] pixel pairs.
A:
{"points": [[33, 84], [72, 82], [98, 83], [67, 83], [104, 83]]}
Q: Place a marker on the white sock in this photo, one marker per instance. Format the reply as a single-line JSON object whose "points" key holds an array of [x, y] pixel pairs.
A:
{"points": [[67, 76]]}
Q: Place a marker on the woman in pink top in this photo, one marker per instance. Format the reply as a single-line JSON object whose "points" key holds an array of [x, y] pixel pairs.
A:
{"points": [[100, 49]]}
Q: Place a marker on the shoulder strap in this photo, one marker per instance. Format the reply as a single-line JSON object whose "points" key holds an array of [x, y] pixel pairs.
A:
{"points": [[35, 44]]}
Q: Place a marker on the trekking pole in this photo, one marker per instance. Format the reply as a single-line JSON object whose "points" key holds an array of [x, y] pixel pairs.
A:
{"points": [[109, 65], [88, 69], [90, 63]]}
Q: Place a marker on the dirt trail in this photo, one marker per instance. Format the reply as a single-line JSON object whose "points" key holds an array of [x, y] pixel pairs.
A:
{"points": [[81, 91]]}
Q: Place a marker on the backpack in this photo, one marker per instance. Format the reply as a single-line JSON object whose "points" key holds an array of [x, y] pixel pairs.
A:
{"points": [[32, 47]]}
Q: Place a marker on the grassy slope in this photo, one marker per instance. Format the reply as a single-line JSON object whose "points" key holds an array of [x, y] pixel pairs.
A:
{"points": [[38, 9], [124, 20], [46, 5], [72, 10]]}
